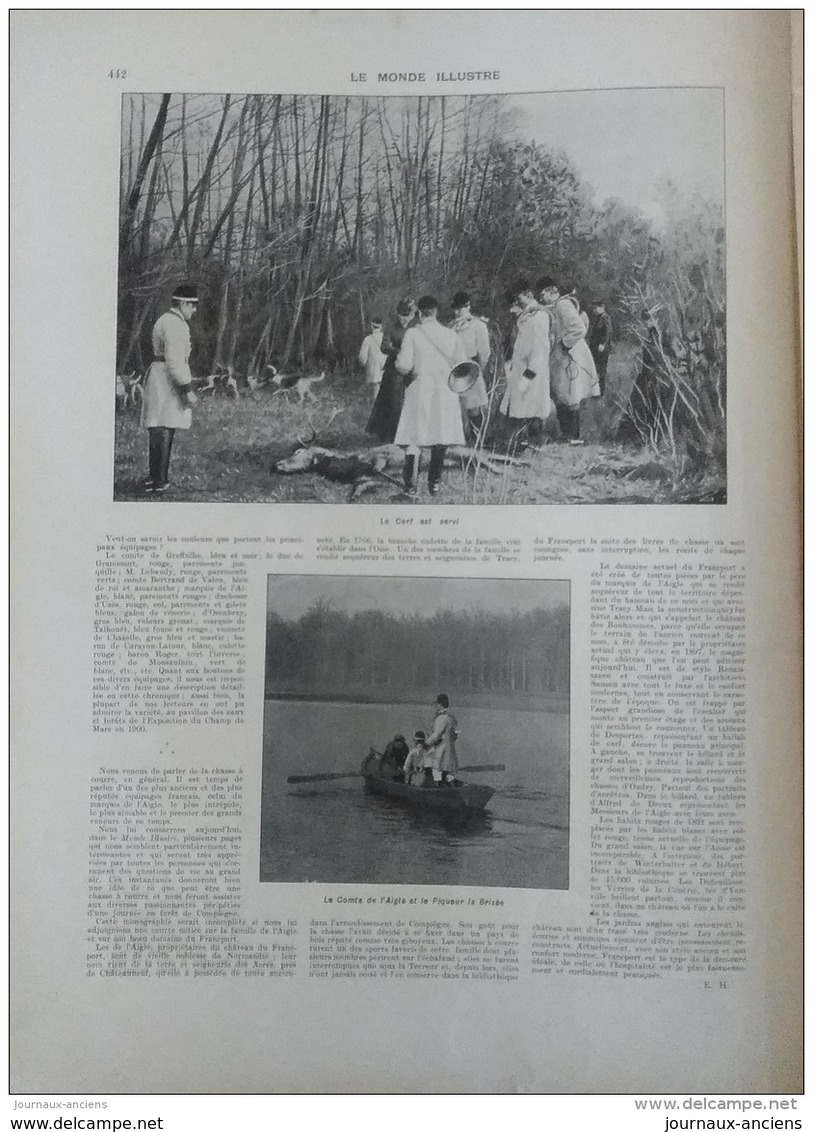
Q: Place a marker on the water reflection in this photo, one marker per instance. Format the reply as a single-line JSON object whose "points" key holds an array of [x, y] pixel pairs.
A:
{"points": [[337, 832]]}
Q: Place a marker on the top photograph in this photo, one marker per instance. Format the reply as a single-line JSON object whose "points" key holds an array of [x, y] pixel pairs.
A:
{"points": [[444, 300]]}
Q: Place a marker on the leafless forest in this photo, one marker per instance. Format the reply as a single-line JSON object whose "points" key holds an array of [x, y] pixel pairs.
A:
{"points": [[302, 216], [328, 651]]}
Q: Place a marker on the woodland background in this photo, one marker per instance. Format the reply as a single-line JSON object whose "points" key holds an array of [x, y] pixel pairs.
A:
{"points": [[380, 656], [300, 217]]}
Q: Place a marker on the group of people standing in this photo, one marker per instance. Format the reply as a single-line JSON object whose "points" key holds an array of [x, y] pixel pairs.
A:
{"points": [[415, 407], [553, 368], [432, 759], [558, 361]]}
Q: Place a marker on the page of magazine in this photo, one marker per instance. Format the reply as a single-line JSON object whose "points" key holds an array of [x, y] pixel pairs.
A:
{"points": [[406, 663]]}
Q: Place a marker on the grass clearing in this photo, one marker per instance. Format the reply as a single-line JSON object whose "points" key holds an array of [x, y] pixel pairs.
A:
{"points": [[227, 455]]}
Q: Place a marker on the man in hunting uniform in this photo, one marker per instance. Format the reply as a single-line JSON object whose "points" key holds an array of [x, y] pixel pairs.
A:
{"points": [[573, 376], [527, 393], [473, 333], [431, 415], [168, 392]]}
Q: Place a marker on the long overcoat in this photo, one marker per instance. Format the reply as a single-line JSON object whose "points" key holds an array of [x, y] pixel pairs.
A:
{"points": [[473, 333], [442, 740], [372, 358], [389, 401], [526, 398], [431, 412], [573, 376], [169, 376]]}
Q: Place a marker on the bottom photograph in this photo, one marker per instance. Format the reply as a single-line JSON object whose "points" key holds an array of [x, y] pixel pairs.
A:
{"points": [[416, 731]]}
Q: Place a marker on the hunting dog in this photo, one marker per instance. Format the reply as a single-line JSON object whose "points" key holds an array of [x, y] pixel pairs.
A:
{"points": [[129, 389], [220, 383], [295, 383]]}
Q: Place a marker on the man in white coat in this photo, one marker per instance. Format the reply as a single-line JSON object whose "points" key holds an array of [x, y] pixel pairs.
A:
{"points": [[442, 739], [372, 358], [431, 415], [527, 394], [168, 393], [573, 376], [473, 333]]}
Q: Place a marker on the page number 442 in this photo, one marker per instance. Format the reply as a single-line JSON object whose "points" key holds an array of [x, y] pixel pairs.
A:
{"points": [[118, 73]]}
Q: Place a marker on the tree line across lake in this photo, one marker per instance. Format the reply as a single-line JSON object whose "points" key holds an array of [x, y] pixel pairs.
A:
{"points": [[376, 655]]}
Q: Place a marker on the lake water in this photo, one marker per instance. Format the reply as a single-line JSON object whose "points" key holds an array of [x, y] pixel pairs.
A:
{"points": [[336, 832]]}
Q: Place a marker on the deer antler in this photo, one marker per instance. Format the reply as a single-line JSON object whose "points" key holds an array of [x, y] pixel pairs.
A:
{"points": [[316, 433]]}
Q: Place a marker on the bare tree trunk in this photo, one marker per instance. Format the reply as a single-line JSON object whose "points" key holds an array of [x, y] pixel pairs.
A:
{"points": [[358, 233], [202, 189], [150, 149], [309, 229]]}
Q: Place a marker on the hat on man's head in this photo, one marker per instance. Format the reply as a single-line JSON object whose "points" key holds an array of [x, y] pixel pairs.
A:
{"points": [[420, 736], [518, 287], [397, 737], [461, 299], [405, 307], [545, 282], [443, 700], [185, 293], [427, 303]]}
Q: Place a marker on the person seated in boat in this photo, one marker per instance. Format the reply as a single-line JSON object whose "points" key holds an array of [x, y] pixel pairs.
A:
{"points": [[415, 761], [441, 742], [394, 757]]}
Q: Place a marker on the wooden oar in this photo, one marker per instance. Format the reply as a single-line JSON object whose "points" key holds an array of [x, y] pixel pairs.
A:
{"points": [[323, 777], [294, 778]]}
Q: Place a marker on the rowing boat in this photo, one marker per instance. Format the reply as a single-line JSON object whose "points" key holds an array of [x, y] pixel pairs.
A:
{"points": [[459, 798]]}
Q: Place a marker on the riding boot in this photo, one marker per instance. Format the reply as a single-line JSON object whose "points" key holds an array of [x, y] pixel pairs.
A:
{"points": [[436, 468], [410, 475], [154, 456], [167, 436], [568, 421]]}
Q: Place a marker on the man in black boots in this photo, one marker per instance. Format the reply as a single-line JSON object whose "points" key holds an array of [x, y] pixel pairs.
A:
{"points": [[168, 393], [431, 415]]}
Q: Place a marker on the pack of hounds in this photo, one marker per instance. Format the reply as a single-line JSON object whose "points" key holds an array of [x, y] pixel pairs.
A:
{"points": [[363, 471], [224, 382]]}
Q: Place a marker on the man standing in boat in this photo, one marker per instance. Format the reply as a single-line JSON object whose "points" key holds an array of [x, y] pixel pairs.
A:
{"points": [[442, 740]]}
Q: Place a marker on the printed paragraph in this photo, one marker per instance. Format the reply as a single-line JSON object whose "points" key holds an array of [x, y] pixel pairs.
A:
{"points": [[168, 633], [639, 948], [667, 773], [413, 949], [164, 879]]}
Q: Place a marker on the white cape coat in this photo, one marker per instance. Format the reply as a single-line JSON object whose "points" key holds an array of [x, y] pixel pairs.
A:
{"points": [[573, 376], [528, 398], [431, 413], [164, 404]]}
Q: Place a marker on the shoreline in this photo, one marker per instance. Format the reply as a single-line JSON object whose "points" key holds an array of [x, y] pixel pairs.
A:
{"points": [[556, 705]]}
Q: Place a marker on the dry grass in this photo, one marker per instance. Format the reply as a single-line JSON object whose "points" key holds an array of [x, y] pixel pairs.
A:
{"points": [[227, 455]]}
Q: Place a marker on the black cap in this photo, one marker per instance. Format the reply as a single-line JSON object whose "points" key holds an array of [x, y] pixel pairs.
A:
{"points": [[545, 282], [420, 736], [518, 287], [185, 293], [461, 299], [427, 303], [405, 307], [443, 700]]}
